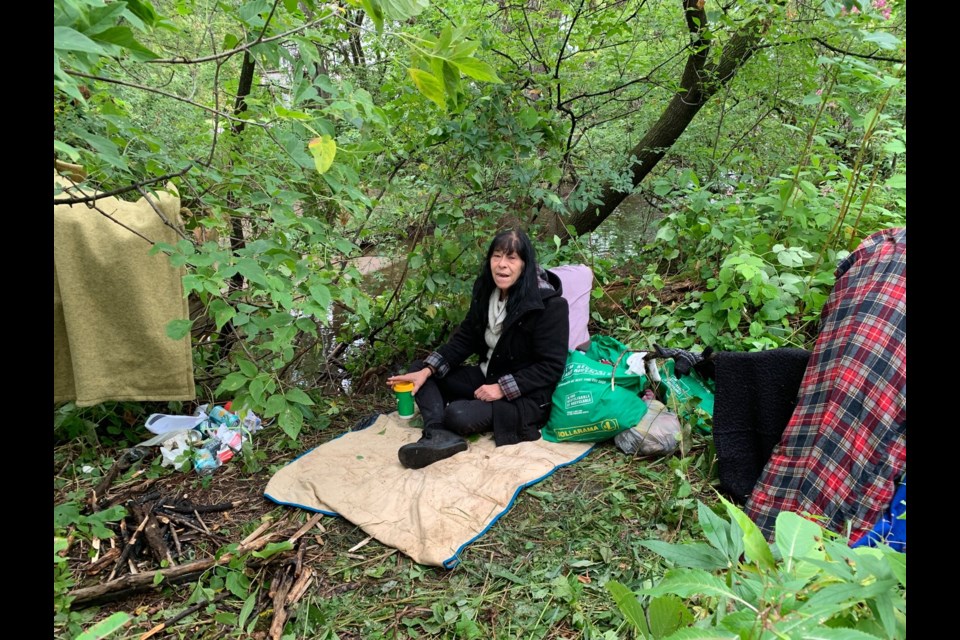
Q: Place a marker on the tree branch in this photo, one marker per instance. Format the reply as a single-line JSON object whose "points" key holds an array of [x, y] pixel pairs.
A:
{"points": [[134, 85], [566, 39], [241, 48], [116, 192], [856, 55]]}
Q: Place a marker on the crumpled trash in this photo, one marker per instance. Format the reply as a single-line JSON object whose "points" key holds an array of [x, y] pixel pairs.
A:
{"points": [[206, 440], [177, 450], [160, 423], [658, 433]]}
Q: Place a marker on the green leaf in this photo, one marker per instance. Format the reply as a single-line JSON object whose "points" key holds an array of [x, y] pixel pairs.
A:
{"points": [[689, 582], [883, 39], [237, 584], [248, 368], [898, 181], [247, 608], [275, 404], [476, 69], [430, 86], [123, 37], [403, 9], [72, 153], [272, 549], [375, 11], [298, 396], [754, 544], [829, 633], [796, 537], [898, 564], [882, 607], [291, 421], [233, 382], [667, 614], [691, 633], [718, 533], [500, 572], [629, 606], [257, 386], [323, 149], [106, 627], [143, 10], [695, 555], [222, 311], [67, 39], [850, 592], [321, 295], [283, 112], [179, 329], [65, 514]]}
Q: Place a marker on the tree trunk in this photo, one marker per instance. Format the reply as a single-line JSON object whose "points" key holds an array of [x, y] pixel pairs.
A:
{"points": [[699, 82]]}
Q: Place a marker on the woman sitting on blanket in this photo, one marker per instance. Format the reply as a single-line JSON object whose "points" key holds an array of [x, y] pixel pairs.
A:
{"points": [[518, 327]]}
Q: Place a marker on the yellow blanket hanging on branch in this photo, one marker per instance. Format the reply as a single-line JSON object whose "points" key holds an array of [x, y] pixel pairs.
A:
{"points": [[112, 301]]}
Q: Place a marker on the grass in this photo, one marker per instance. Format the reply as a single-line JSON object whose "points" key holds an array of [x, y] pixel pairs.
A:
{"points": [[539, 572]]}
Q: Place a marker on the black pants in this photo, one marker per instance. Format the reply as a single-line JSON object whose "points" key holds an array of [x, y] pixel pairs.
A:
{"points": [[448, 402]]}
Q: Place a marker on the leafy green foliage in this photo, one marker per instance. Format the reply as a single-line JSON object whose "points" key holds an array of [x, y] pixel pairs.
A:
{"points": [[808, 584]]}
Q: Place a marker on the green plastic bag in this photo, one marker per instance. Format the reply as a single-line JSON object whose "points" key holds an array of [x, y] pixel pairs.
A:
{"points": [[609, 349], [691, 394], [590, 404]]}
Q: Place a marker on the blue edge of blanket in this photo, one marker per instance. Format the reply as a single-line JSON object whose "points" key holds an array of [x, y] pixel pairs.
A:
{"points": [[453, 560]]}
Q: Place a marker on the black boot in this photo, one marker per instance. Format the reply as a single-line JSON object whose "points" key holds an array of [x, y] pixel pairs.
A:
{"points": [[434, 444]]}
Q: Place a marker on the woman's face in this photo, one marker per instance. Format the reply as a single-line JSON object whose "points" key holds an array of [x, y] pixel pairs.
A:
{"points": [[506, 269]]}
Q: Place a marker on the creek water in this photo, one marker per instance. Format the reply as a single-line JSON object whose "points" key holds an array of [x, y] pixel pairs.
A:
{"points": [[624, 233]]}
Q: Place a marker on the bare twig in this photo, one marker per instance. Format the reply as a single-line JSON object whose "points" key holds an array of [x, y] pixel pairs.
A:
{"points": [[240, 49], [156, 210], [183, 614], [306, 527], [142, 87], [279, 592], [128, 548], [116, 192]]}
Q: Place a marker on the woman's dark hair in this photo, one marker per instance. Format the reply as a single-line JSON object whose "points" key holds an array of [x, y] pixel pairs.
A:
{"points": [[509, 241]]}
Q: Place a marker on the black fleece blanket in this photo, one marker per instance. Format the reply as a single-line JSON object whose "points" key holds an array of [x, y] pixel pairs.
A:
{"points": [[756, 395]]}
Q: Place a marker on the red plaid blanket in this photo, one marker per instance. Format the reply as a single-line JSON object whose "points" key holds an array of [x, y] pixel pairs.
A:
{"points": [[845, 446]]}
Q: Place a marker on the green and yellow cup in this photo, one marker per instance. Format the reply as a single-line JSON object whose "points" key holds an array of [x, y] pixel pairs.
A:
{"points": [[404, 393]]}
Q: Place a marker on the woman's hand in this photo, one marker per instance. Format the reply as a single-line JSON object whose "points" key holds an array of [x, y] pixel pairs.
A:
{"points": [[489, 392], [416, 377]]}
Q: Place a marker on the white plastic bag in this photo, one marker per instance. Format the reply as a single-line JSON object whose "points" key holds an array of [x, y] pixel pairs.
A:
{"points": [[658, 433]]}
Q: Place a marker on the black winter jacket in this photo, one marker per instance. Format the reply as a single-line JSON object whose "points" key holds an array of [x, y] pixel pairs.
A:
{"points": [[527, 362]]}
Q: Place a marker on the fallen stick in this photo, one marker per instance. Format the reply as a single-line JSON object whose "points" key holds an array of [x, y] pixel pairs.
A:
{"points": [[263, 527], [151, 532], [299, 587], [183, 614], [99, 565], [202, 523], [186, 523], [145, 580], [306, 527], [176, 538], [127, 549], [279, 601], [210, 508]]}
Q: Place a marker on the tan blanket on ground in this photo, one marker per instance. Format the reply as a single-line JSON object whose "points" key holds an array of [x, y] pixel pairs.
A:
{"points": [[430, 514], [112, 301]]}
